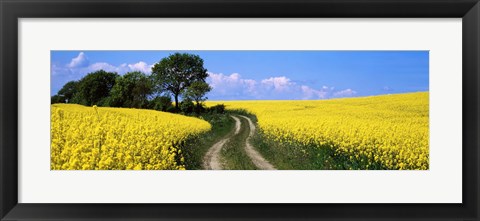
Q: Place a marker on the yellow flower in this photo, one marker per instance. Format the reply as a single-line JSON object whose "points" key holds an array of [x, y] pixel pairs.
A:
{"points": [[118, 138], [392, 130]]}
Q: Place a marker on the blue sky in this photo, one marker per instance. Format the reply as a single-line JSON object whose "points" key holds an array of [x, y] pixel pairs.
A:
{"points": [[269, 75]]}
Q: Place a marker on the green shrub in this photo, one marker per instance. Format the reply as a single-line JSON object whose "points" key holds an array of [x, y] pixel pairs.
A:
{"points": [[162, 103], [57, 99], [187, 106], [217, 109]]}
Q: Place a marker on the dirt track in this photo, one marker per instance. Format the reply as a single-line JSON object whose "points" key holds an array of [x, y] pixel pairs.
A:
{"points": [[212, 160], [254, 155]]}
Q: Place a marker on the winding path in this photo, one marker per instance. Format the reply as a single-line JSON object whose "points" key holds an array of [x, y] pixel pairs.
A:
{"points": [[212, 161], [254, 155]]}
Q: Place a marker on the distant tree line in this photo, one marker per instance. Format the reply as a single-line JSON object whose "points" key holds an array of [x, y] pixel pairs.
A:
{"points": [[178, 75]]}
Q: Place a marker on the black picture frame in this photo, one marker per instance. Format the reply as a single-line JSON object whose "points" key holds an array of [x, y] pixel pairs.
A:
{"points": [[12, 10]]}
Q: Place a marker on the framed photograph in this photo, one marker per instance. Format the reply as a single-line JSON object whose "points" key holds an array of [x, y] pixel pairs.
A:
{"points": [[255, 110]]}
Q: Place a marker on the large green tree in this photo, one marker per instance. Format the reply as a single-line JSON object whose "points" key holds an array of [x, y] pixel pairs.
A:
{"points": [[94, 88], [177, 72], [131, 90], [197, 91]]}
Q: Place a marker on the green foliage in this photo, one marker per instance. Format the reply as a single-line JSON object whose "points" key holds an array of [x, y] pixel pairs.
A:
{"points": [[187, 106], [180, 74], [195, 149], [233, 152], [217, 109], [175, 73], [131, 90], [94, 88], [78, 99], [196, 92], [68, 91], [162, 103], [55, 99], [104, 102]]}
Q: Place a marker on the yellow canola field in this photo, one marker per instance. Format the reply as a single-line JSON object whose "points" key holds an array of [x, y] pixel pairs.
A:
{"points": [[100, 138], [392, 130]]}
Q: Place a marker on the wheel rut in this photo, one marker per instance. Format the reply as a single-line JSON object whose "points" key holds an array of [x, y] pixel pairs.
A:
{"points": [[254, 155], [212, 159]]}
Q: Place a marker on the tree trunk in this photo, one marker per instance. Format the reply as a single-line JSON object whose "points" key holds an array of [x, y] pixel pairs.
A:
{"points": [[176, 101], [197, 107]]}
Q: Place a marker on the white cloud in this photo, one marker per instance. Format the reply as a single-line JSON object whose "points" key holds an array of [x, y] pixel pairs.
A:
{"points": [[78, 62], [72, 71], [120, 69], [233, 86], [102, 66], [228, 87], [345, 93], [80, 65], [141, 66], [278, 83], [59, 70], [310, 93]]}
